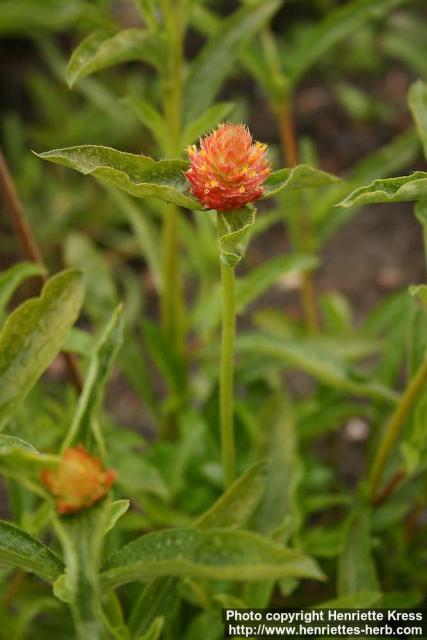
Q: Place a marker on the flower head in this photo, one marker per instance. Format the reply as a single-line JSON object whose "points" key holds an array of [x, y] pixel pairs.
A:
{"points": [[229, 169], [79, 480]]}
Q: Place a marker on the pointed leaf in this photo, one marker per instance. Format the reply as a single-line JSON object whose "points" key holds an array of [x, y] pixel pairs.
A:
{"points": [[356, 568], [234, 228], [279, 512], [218, 57], [100, 50], [82, 428], [19, 458], [402, 189], [300, 177], [150, 118], [13, 277], [140, 176], [336, 26], [19, 549], [316, 361], [214, 554], [417, 98], [250, 286], [33, 335], [419, 291], [237, 504], [207, 121]]}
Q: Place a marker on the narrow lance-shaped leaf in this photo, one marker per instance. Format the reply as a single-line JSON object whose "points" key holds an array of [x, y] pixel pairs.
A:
{"points": [[356, 569], [100, 50], [278, 512], [138, 175], [417, 99], [300, 177], [337, 25], [214, 554], [317, 362], [250, 286], [217, 58], [82, 428], [419, 291], [402, 189], [13, 277], [150, 118], [19, 549], [33, 335], [207, 121]]}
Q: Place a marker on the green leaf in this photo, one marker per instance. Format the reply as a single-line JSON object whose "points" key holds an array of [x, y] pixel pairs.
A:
{"points": [[84, 424], [116, 510], [19, 549], [145, 232], [259, 280], [326, 33], [138, 175], [218, 56], [419, 291], [357, 600], [402, 189], [214, 554], [250, 286], [33, 335], [234, 228], [11, 279], [417, 99], [300, 177], [150, 118], [207, 121], [279, 513], [20, 460], [155, 630], [315, 361], [101, 294], [100, 50], [237, 504], [26, 17], [231, 510], [168, 361], [356, 569]]}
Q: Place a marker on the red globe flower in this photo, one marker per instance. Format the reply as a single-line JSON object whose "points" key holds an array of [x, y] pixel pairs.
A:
{"points": [[229, 170], [79, 480]]}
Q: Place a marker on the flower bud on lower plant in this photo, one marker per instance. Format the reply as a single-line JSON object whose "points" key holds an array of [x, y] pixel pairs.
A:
{"points": [[229, 169], [79, 481]]}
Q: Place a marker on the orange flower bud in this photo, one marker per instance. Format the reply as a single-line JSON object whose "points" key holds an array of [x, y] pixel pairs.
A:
{"points": [[229, 170], [79, 480]]}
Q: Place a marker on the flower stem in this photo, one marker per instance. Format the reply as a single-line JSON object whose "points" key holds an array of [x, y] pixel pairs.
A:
{"points": [[288, 139], [226, 378], [395, 425]]}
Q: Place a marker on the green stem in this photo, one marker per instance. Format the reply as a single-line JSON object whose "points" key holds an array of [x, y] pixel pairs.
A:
{"points": [[395, 426], [172, 307], [226, 379], [172, 304]]}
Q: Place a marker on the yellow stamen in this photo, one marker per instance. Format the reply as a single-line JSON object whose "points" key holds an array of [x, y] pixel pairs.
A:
{"points": [[242, 189]]}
